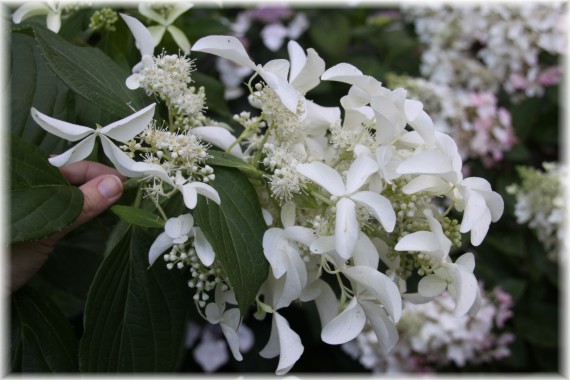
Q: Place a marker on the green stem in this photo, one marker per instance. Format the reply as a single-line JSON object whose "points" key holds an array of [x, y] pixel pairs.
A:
{"points": [[322, 198]]}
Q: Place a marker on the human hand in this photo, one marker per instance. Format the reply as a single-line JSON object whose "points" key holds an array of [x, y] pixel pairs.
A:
{"points": [[101, 186]]}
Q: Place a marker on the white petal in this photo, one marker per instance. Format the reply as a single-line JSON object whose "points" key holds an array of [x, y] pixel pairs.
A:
{"points": [[177, 10], [323, 245], [380, 286], [29, 9], [362, 168], [228, 47], [421, 241], [133, 81], [180, 39], [466, 261], [157, 32], [342, 72], [305, 69], [383, 327], [345, 326], [207, 191], [75, 154], [476, 183], [161, 244], [129, 167], [412, 109], [179, 226], [466, 288], [297, 57], [424, 126], [53, 22], [146, 10], [279, 68], [324, 176], [63, 129], [127, 128], [212, 312], [233, 340], [495, 204], [295, 280], [379, 206], [288, 212], [365, 253], [474, 210], [219, 137], [326, 303], [479, 230], [428, 183], [431, 286], [273, 36], [203, 247], [346, 227], [435, 227], [427, 162], [229, 327], [284, 342], [288, 94], [143, 39], [303, 235], [275, 247]]}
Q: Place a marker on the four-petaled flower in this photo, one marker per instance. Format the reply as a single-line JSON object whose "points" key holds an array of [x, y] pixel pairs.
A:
{"points": [[177, 231], [346, 197], [122, 130], [165, 23]]}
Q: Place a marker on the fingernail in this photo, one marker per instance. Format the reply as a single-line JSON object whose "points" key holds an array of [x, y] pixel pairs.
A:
{"points": [[110, 187]]}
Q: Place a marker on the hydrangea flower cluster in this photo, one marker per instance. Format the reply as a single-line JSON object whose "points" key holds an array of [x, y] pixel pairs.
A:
{"points": [[479, 47], [431, 337], [540, 203], [481, 128], [344, 188]]}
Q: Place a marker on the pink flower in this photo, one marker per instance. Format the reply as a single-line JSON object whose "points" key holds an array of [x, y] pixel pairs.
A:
{"points": [[551, 76]]}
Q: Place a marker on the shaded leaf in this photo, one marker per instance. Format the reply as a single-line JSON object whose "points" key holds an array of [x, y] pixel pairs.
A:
{"points": [[135, 317], [235, 230], [138, 217], [227, 160], [90, 74], [42, 339], [41, 200], [33, 83]]}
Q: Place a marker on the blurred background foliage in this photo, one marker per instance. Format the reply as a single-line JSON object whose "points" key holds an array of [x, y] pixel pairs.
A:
{"points": [[510, 257]]}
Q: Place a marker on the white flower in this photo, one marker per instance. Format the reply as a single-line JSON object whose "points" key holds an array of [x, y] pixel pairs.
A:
{"points": [[145, 43], [166, 21], [482, 206], [35, 8], [274, 34], [228, 320], [458, 279], [177, 231], [191, 189], [303, 76], [283, 341], [347, 227], [122, 130], [280, 249]]}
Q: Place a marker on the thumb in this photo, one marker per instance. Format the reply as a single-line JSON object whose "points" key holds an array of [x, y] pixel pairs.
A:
{"points": [[99, 194]]}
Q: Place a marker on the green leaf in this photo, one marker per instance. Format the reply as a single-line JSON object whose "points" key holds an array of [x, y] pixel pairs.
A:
{"points": [[42, 339], [214, 93], [235, 230], [227, 160], [33, 84], [330, 32], [41, 200], [138, 217], [135, 317], [90, 74]]}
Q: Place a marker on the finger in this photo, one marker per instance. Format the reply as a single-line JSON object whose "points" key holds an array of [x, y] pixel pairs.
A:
{"points": [[83, 171], [98, 195]]}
